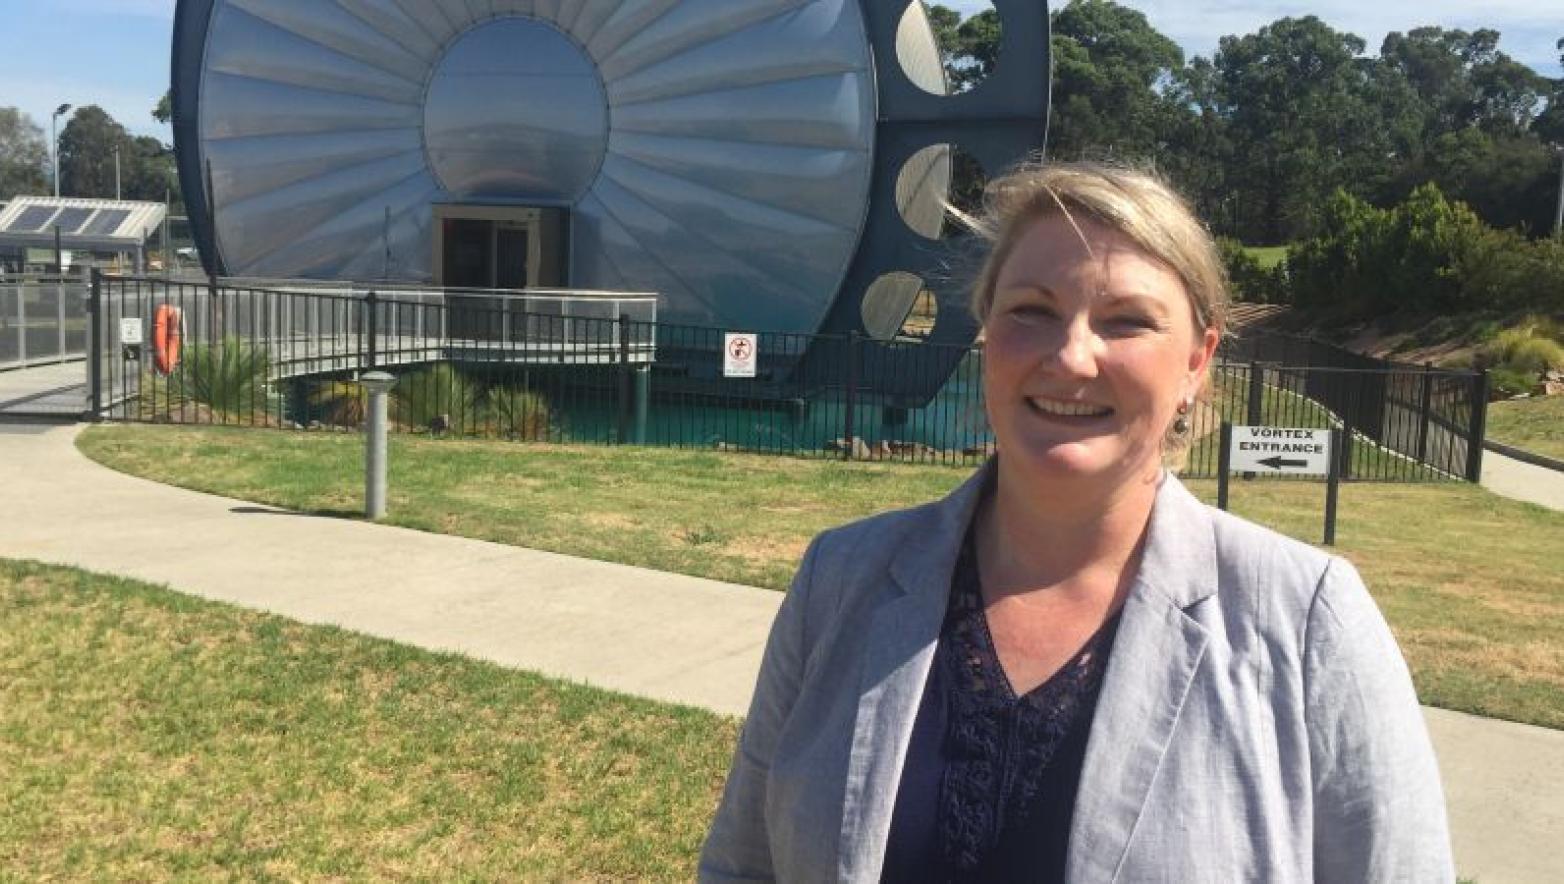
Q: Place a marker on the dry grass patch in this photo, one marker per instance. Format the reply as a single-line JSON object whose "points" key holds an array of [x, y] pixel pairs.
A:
{"points": [[147, 735]]}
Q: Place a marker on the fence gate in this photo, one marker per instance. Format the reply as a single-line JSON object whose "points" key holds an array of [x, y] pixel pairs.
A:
{"points": [[44, 328]]}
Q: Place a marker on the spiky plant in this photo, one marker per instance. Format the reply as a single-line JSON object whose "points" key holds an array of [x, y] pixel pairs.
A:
{"points": [[516, 412], [438, 398], [229, 377], [339, 403]]}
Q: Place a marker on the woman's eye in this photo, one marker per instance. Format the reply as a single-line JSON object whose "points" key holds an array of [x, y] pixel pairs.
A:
{"points": [[1134, 323], [1030, 314]]}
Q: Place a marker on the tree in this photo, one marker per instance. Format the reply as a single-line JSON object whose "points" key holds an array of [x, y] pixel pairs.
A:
{"points": [[1108, 64], [164, 112], [1463, 79], [24, 155], [87, 147], [1549, 125], [969, 49], [1300, 114]]}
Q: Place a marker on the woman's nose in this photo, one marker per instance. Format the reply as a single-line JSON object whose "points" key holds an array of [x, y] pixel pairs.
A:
{"points": [[1077, 349]]}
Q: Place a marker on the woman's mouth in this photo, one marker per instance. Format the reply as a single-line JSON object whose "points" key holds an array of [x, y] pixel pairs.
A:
{"points": [[1067, 407]]}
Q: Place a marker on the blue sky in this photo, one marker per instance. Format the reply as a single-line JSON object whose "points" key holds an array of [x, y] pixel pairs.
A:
{"points": [[114, 53]]}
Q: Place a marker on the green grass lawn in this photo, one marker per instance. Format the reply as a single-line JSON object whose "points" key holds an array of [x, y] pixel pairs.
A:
{"points": [[1268, 256], [1470, 581], [1536, 425], [148, 735]]}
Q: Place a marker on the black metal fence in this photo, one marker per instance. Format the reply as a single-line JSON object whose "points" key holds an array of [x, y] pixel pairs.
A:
{"points": [[599, 368], [1405, 420]]}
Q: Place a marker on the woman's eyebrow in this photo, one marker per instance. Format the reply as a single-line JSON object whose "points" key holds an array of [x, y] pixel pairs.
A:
{"points": [[1030, 287], [1135, 299]]}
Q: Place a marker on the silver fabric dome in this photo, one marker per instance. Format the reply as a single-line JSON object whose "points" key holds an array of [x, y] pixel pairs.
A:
{"points": [[719, 152]]}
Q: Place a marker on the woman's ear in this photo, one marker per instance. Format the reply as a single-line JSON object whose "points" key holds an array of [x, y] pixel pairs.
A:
{"points": [[1200, 357]]}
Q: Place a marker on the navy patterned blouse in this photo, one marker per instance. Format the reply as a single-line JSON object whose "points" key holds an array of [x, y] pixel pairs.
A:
{"points": [[988, 788]]}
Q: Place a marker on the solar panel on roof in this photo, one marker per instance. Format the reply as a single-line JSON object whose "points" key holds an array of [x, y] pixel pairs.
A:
{"points": [[106, 221], [32, 219], [70, 219]]}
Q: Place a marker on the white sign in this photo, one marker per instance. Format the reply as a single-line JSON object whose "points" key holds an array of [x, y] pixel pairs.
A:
{"points": [[130, 331], [1296, 450], [738, 355]]}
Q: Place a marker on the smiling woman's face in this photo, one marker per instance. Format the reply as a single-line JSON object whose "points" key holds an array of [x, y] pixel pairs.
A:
{"points": [[1091, 347]]}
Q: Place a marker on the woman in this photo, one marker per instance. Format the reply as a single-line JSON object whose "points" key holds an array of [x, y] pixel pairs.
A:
{"points": [[1070, 669]]}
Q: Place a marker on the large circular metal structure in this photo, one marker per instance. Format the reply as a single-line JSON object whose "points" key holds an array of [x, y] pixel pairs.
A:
{"points": [[742, 158]]}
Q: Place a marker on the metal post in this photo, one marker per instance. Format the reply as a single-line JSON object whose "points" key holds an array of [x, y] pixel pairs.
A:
{"points": [[95, 328], [625, 381], [1254, 416], [21, 323], [59, 312], [59, 254], [1478, 428], [643, 398], [117, 190], [1425, 412], [1558, 212], [1332, 483], [371, 328], [379, 385], [1224, 465], [852, 394]]}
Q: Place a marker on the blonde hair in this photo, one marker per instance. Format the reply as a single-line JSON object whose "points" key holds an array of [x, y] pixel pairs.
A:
{"points": [[1134, 202]]}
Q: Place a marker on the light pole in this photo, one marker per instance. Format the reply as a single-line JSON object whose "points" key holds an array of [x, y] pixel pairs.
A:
{"points": [[54, 142], [1558, 212]]}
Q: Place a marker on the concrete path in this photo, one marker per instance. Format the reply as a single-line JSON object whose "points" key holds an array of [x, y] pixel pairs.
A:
{"points": [[1523, 481], [659, 635], [644, 632]]}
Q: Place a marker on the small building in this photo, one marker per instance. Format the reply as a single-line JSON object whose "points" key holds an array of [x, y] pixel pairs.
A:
{"points": [[93, 231]]}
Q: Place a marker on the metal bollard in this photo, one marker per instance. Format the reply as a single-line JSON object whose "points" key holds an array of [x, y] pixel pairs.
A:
{"points": [[379, 385]]}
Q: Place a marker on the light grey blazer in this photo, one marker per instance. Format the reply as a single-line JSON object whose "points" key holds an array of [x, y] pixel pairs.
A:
{"points": [[1256, 722]]}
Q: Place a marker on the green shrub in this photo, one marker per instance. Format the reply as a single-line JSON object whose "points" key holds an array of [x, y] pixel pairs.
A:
{"points": [[339, 403], [516, 412], [1517, 357], [1249, 279], [227, 377], [1427, 255], [1506, 382], [435, 398]]}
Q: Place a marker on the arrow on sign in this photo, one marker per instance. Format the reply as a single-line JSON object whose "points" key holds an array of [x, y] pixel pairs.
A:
{"points": [[1279, 462]]}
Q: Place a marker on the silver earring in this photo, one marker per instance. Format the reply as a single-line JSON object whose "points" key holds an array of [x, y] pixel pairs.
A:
{"points": [[1181, 423]]}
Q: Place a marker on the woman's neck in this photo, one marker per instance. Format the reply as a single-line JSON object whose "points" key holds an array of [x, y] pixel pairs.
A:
{"points": [[1083, 539]]}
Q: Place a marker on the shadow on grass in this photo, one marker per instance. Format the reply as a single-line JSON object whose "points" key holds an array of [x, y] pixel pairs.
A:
{"points": [[306, 514]]}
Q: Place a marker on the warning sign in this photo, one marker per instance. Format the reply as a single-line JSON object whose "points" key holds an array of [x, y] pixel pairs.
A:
{"points": [[738, 355], [1295, 450], [130, 331]]}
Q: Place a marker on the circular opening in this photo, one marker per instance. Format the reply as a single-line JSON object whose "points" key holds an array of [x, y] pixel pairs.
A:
{"points": [[947, 51], [897, 306], [516, 110], [937, 176]]}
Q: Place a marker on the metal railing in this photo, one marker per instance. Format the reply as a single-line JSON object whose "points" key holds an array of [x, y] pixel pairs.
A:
{"points": [[598, 368], [42, 321]]}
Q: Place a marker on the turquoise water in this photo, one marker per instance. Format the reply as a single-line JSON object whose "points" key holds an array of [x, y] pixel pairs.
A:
{"points": [[952, 421]]}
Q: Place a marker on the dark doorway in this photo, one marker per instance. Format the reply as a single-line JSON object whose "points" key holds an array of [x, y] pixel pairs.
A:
{"points": [[510, 262], [482, 254], [469, 254]]}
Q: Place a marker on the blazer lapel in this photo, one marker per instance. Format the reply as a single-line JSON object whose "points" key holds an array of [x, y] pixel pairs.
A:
{"points": [[900, 647], [1154, 660]]}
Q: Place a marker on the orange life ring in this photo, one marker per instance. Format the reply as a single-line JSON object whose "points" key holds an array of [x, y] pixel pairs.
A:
{"points": [[167, 337]]}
